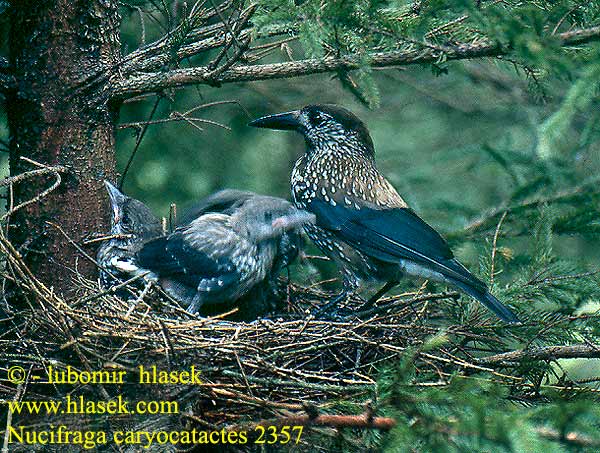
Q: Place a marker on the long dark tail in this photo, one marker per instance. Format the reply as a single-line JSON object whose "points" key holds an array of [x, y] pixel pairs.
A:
{"points": [[493, 304]]}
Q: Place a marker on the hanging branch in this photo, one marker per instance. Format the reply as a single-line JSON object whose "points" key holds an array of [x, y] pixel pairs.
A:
{"points": [[186, 116]]}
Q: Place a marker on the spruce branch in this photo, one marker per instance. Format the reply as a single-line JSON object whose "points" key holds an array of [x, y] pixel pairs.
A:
{"points": [[313, 418], [140, 83], [210, 37], [579, 351], [184, 41], [41, 170], [7, 84], [486, 220], [143, 83], [570, 438]]}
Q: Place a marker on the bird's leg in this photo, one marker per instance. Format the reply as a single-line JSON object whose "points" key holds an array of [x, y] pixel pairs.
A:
{"points": [[334, 302], [288, 289], [349, 286], [195, 304], [371, 302], [272, 286]]}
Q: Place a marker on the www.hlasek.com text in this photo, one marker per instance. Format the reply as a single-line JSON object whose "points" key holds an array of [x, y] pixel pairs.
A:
{"points": [[80, 405]]}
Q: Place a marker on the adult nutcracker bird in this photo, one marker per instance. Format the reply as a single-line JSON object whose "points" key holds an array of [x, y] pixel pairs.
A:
{"points": [[132, 224], [362, 222], [221, 256]]}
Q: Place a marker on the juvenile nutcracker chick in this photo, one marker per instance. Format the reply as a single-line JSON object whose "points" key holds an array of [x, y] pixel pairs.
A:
{"points": [[264, 297], [219, 256], [227, 201], [362, 222], [132, 224]]}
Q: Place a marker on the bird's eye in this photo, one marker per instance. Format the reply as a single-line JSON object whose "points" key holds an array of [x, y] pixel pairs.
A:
{"points": [[268, 216], [316, 118]]}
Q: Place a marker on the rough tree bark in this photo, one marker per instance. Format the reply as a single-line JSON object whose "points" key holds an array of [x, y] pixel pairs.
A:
{"points": [[61, 53]]}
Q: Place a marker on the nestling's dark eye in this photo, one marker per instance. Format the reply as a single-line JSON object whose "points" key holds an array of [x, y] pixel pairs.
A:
{"points": [[268, 216]]}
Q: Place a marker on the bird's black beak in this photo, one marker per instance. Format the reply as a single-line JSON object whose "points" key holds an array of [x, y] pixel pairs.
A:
{"points": [[283, 121]]}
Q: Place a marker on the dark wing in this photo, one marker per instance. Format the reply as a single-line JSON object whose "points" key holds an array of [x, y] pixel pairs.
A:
{"points": [[174, 257], [225, 202], [391, 235]]}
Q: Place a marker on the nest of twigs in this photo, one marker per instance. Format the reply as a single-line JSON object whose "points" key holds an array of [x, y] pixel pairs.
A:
{"points": [[286, 364], [284, 368]]}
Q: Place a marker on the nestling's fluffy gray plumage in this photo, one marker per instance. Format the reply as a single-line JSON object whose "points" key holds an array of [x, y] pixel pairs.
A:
{"points": [[219, 257]]}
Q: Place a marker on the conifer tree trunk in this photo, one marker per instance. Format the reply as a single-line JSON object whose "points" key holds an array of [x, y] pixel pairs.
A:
{"points": [[62, 53]]}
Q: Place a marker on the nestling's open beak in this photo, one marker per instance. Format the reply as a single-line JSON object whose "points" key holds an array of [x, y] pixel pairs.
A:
{"points": [[117, 198], [282, 121]]}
